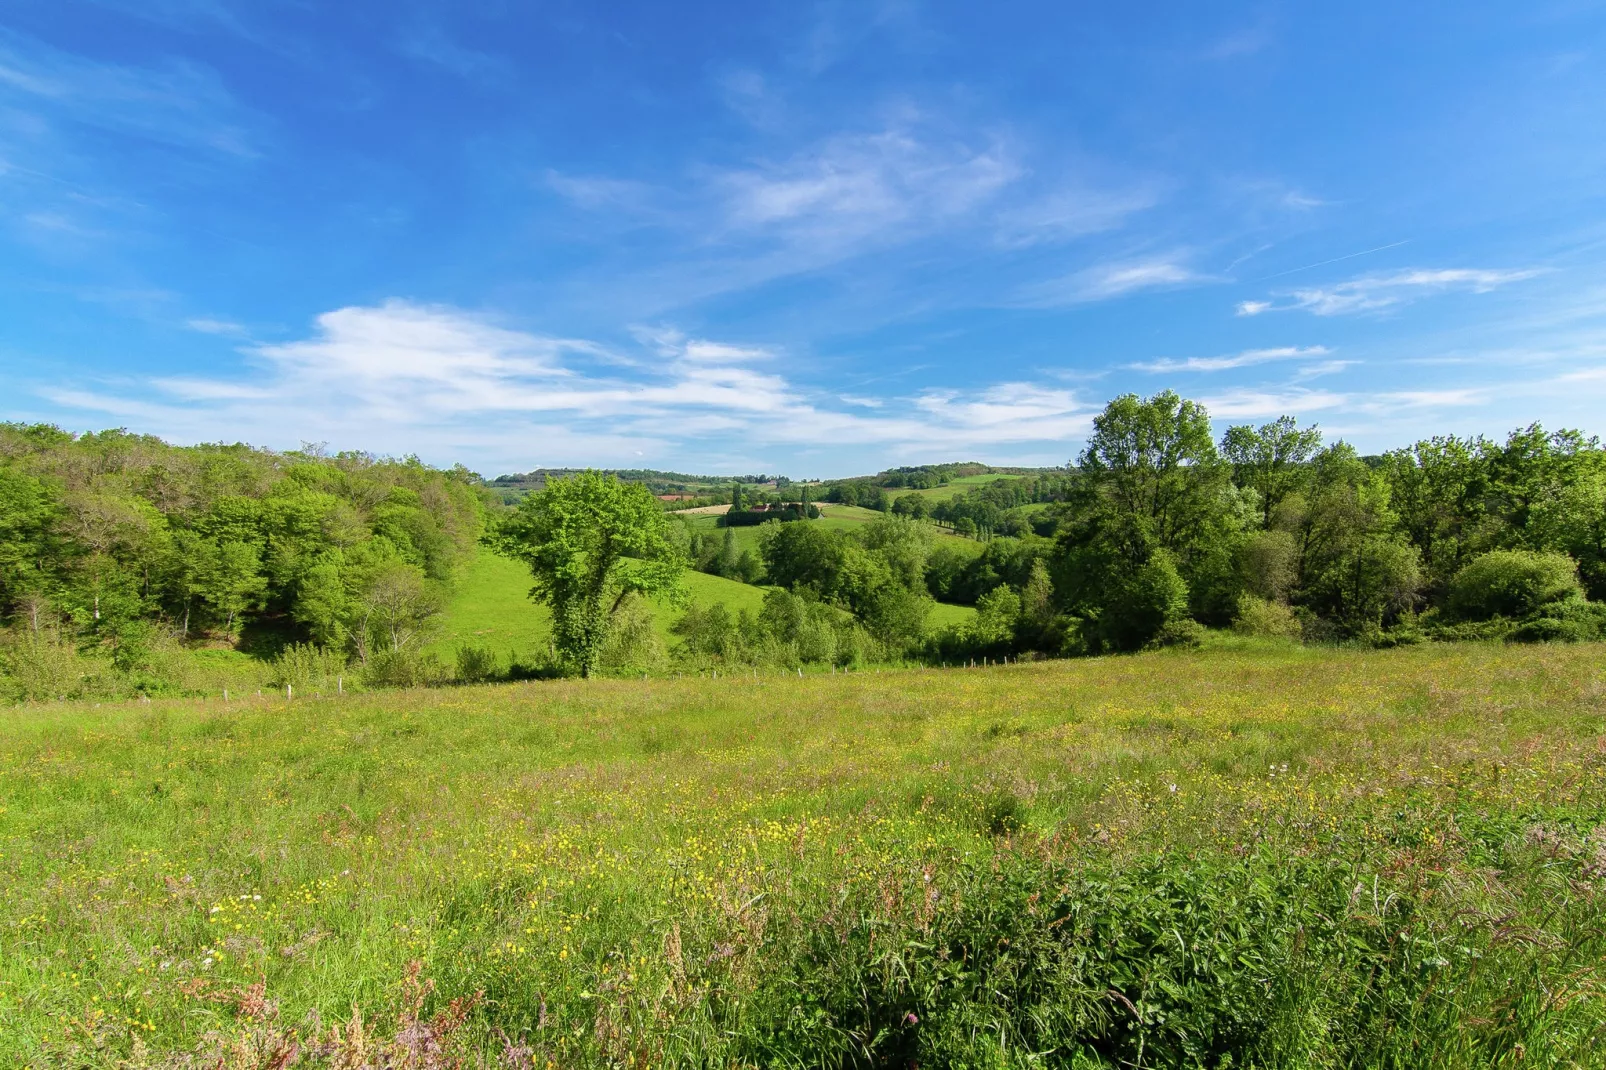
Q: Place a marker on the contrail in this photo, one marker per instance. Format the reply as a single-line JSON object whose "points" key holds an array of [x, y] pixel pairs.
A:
{"points": [[1335, 260]]}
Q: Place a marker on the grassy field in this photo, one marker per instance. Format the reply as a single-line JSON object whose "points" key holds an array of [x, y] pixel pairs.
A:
{"points": [[841, 517], [955, 487], [491, 607], [1268, 856]]}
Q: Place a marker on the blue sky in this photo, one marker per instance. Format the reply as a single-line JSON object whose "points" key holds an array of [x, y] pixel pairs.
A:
{"points": [[818, 239]]}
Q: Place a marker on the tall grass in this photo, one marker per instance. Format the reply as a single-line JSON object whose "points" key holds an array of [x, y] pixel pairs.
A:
{"points": [[1263, 856]]}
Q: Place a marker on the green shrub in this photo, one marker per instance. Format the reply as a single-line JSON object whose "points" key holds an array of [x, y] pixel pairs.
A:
{"points": [[632, 645], [1165, 959], [1265, 619], [1512, 583], [997, 616], [1179, 632], [476, 664], [307, 667], [1268, 564], [39, 666], [1573, 621], [400, 668], [1137, 608]]}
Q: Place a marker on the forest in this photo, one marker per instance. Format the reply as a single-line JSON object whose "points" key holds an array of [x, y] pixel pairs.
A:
{"points": [[116, 548], [124, 546]]}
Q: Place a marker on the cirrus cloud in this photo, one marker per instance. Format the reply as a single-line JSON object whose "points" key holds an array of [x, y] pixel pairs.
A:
{"points": [[1373, 293]]}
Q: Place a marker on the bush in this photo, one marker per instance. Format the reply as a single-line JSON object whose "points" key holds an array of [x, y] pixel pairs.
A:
{"points": [[476, 664], [997, 616], [895, 616], [400, 668], [1512, 583], [749, 518], [1268, 564], [633, 645], [305, 666], [39, 666], [1180, 632], [1136, 609], [1573, 621], [1265, 619]]}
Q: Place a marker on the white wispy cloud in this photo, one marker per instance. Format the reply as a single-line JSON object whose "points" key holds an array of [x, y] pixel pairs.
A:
{"points": [[176, 102], [1236, 360], [1324, 367], [429, 44], [594, 192], [1297, 401], [209, 325], [1072, 212], [403, 377], [853, 187], [1110, 280], [1371, 293], [912, 179], [1243, 404]]}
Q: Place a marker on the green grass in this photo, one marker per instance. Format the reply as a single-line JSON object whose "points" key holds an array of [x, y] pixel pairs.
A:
{"points": [[945, 616], [837, 517], [1281, 856], [491, 607], [954, 487]]}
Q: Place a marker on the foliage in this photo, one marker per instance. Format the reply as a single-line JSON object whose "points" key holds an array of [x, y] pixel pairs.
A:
{"points": [[307, 667], [1270, 460], [1139, 607], [1357, 572], [402, 668], [789, 632], [1268, 565], [633, 645], [590, 541], [126, 537], [1265, 619], [1512, 583], [748, 518], [876, 573], [475, 664], [1154, 467]]}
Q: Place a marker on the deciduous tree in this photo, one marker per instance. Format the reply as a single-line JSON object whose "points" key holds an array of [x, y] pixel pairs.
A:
{"points": [[589, 541]]}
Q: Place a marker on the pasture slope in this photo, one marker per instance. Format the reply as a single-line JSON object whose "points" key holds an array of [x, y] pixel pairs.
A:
{"points": [[954, 487], [1267, 856], [491, 607]]}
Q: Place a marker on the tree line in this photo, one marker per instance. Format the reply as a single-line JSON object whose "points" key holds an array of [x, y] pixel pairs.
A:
{"points": [[1158, 531], [113, 541]]}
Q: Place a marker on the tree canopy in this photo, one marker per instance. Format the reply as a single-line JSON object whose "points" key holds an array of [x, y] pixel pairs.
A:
{"points": [[589, 541]]}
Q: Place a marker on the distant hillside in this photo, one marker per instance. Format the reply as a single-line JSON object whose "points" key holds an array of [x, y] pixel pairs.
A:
{"points": [[518, 484], [914, 477]]}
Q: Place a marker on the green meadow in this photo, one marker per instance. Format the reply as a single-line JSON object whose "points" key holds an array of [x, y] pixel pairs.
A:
{"points": [[956, 486], [1254, 855], [491, 606]]}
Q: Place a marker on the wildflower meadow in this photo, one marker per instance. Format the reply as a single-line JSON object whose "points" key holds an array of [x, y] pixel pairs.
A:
{"points": [[1258, 855]]}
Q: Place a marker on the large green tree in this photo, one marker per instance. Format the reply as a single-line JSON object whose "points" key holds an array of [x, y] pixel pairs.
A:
{"points": [[1153, 467], [1270, 459], [589, 541], [1153, 507]]}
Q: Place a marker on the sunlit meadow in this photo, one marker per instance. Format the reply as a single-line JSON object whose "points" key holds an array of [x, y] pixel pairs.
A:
{"points": [[1265, 856]]}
